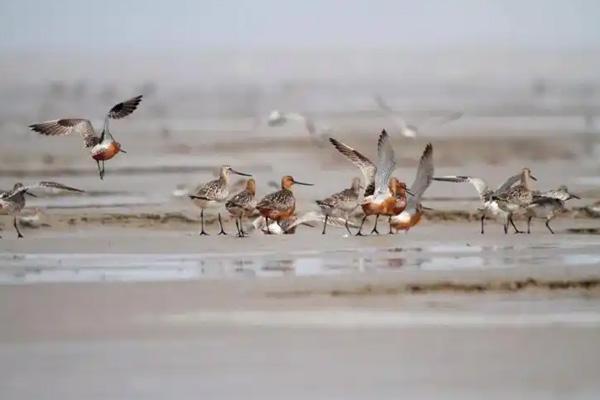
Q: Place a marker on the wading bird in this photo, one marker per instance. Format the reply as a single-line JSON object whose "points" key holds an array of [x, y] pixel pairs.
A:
{"points": [[341, 203], [516, 197], [213, 194], [547, 205], [12, 202], [242, 205], [280, 205], [490, 206]]}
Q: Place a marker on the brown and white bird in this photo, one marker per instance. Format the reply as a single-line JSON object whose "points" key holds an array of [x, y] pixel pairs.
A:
{"points": [[102, 146], [280, 205], [213, 194], [12, 202], [341, 203], [547, 205], [242, 205], [516, 198]]}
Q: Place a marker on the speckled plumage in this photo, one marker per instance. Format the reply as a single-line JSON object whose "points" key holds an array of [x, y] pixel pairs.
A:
{"points": [[490, 206], [547, 205], [12, 201]]}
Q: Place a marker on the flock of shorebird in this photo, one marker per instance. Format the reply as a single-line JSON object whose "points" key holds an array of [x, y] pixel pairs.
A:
{"points": [[377, 194]]}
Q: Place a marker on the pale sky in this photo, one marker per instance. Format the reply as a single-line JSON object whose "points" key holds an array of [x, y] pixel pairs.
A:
{"points": [[110, 25]]}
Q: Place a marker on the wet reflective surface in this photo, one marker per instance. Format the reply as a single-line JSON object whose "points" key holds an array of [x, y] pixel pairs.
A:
{"points": [[92, 267]]}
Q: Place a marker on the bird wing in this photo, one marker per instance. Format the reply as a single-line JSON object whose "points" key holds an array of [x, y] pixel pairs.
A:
{"points": [[67, 126], [423, 178], [46, 185], [480, 185], [509, 182], [124, 108], [367, 168], [386, 163], [207, 190]]}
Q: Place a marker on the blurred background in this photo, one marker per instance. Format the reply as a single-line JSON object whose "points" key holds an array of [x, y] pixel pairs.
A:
{"points": [[522, 75]]}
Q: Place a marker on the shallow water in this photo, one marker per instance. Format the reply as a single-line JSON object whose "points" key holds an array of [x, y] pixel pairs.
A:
{"points": [[22, 268]]}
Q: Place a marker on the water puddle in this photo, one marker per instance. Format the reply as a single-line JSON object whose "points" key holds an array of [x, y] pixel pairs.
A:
{"points": [[43, 268]]}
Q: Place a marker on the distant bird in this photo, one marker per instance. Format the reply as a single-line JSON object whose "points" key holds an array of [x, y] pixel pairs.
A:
{"points": [[547, 205], [280, 118], [242, 205], [490, 206], [344, 203], [516, 197], [12, 202], [102, 147], [385, 200], [406, 129], [280, 205], [411, 215], [213, 194]]}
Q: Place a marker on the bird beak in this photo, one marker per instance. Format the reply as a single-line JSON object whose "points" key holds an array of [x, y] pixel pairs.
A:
{"points": [[409, 192], [233, 171], [31, 194], [427, 208], [123, 151], [574, 196], [302, 183], [533, 177]]}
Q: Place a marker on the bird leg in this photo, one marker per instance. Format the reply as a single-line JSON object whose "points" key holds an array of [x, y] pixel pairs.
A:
{"points": [[267, 225], [17, 227], [100, 172], [482, 221], [529, 225], [325, 224], [202, 232], [237, 227], [374, 230], [391, 232], [513, 225], [242, 226], [347, 227], [548, 226], [222, 231], [359, 233]]}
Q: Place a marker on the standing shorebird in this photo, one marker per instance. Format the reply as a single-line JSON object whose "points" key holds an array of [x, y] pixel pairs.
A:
{"points": [[547, 205], [389, 197], [343, 203], [414, 209], [280, 205], [12, 202], [102, 147], [213, 194], [516, 197], [242, 204], [490, 206]]}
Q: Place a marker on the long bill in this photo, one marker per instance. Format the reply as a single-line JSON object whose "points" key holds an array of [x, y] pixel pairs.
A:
{"points": [[303, 183], [233, 171]]}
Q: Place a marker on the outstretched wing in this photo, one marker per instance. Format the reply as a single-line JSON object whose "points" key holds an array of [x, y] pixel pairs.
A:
{"points": [[386, 164], [68, 126], [423, 178], [479, 184], [367, 168], [124, 108], [46, 185], [509, 182]]}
